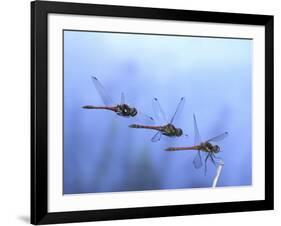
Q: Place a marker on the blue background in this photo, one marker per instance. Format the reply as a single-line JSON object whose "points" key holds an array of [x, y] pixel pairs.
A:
{"points": [[101, 154]]}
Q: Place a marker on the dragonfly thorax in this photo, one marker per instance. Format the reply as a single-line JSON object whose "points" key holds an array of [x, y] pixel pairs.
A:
{"points": [[208, 147], [125, 110], [171, 130]]}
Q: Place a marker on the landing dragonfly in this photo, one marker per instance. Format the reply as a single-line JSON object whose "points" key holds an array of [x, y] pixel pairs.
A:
{"points": [[167, 129], [205, 147], [121, 109]]}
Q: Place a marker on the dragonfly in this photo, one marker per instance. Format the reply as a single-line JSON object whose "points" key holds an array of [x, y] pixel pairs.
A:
{"points": [[167, 128], [206, 147], [121, 109]]}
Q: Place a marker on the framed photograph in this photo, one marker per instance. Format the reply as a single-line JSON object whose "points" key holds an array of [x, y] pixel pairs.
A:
{"points": [[145, 112]]}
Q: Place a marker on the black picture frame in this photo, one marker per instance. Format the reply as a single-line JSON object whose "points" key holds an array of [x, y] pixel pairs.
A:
{"points": [[39, 112]]}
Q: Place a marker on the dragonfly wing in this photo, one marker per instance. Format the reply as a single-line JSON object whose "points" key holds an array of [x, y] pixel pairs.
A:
{"points": [[197, 162], [197, 138], [144, 118], [123, 98], [178, 110], [158, 111], [218, 138], [156, 137], [103, 94]]}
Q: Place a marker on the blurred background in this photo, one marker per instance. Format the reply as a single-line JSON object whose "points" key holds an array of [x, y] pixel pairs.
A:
{"points": [[101, 154]]}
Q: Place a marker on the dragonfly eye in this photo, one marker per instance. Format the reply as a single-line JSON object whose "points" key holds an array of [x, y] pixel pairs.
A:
{"points": [[179, 132], [133, 112], [216, 149]]}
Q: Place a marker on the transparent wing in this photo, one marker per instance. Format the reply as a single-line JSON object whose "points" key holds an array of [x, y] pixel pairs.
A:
{"points": [[197, 138], [178, 110], [158, 111], [103, 94], [123, 98], [156, 137], [144, 118], [218, 138], [197, 162]]}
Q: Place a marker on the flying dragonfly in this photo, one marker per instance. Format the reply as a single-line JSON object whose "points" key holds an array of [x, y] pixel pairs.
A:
{"points": [[167, 128], [122, 109], [206, 147]]}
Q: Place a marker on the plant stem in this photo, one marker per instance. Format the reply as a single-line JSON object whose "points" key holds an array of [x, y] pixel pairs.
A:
{"points": [[218, 173]]}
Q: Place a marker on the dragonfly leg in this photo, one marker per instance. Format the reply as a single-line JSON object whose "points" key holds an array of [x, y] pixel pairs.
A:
{"points": [[219, 160], [212, 158], [206, 163], [217, 157]]}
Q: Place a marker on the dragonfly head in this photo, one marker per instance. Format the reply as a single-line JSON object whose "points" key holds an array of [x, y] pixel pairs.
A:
{"points": [[126, 110], [178, 132], [216, 149], [133, 112]]}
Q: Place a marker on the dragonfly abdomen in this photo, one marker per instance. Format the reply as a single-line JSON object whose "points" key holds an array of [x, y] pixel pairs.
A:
{"points": [[182, 148], [136, 126], [100, 107]]}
